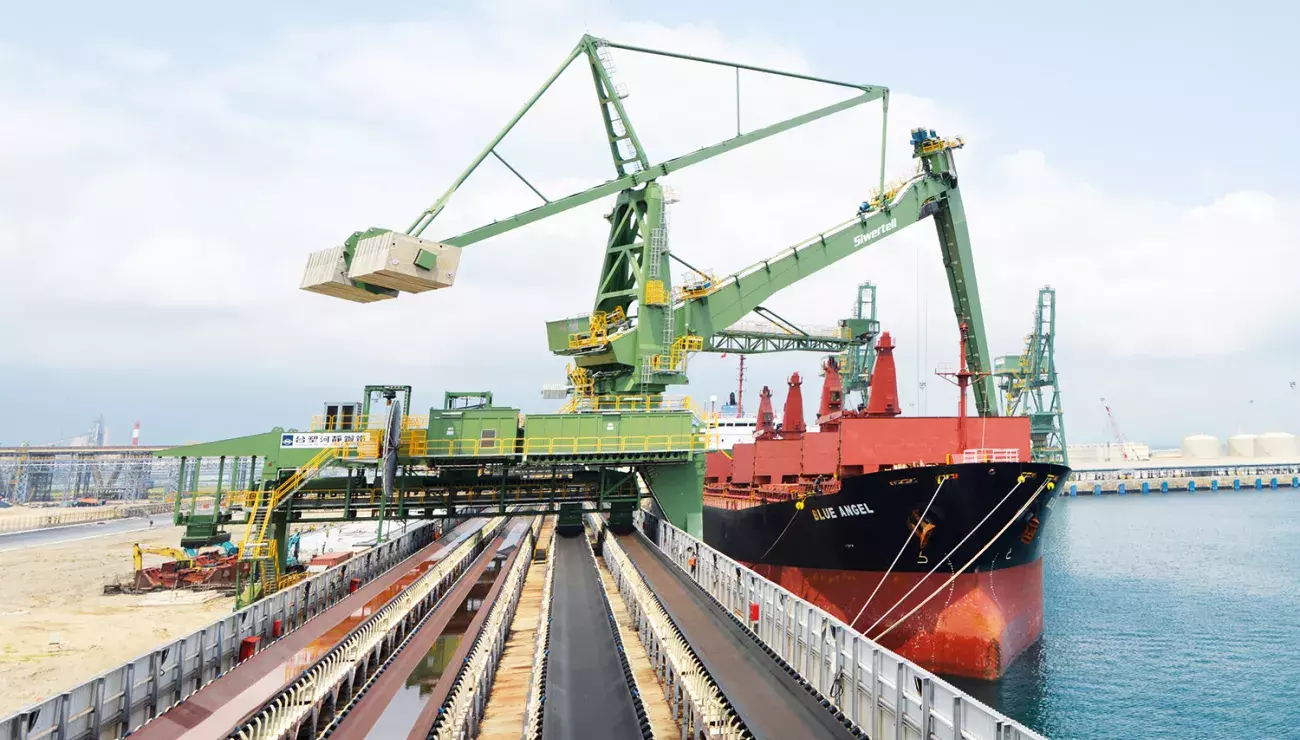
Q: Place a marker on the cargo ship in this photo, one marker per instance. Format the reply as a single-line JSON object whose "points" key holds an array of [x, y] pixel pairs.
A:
{"points": [[922, 533]]}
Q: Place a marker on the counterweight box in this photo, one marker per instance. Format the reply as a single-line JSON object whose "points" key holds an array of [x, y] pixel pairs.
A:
{"points": [[402, 262], [326, 274]]}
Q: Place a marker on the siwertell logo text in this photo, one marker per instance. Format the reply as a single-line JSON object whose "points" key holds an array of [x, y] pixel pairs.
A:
{"points": [[875, 233]]}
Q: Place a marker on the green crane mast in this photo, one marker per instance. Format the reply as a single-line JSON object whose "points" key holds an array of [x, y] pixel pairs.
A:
{"points": [[640, 330], [1029, 384], [858, 360]]}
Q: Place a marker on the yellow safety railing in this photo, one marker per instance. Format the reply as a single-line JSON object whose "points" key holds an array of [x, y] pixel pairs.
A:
{"points": [[699, 286], [266, 502], [616, 445], [372, 442], [412, 441], [598, 328], [635, 403], [690, 405], [583, 387], [931, 146], [879, 198], [243, 499], [470, 447], [655, 293], [675, 360], [322, 423]]}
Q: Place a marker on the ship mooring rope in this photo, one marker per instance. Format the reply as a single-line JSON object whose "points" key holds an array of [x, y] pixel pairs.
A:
{"points": [[900, 553], [797, 509], [962, 569], [1019, 481]]}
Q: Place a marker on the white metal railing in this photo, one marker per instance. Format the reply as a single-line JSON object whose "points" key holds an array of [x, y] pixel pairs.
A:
{"points": [[754, 326], [885, 695], [991, 454], [696, 702], [536, 684], [284, 715], [464, 707]]}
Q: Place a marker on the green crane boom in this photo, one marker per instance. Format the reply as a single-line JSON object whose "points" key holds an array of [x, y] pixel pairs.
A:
{"points": [[640, 330], [932, 192]]}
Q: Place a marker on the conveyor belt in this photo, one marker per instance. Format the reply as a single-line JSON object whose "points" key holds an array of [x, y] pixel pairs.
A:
{"points": [[223, 704], [587, 695], [376, 714], [769, 701]]}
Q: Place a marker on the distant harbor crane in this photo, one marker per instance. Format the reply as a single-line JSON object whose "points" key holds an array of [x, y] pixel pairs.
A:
{"points": [[1029, 384], [1116, 432]]}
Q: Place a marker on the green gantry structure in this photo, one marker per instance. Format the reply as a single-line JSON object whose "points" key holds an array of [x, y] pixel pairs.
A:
{"points": [[1030, 388], [619, 438]]}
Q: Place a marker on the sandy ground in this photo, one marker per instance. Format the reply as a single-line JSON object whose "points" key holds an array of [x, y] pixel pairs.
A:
{"points": [[58, 629]]}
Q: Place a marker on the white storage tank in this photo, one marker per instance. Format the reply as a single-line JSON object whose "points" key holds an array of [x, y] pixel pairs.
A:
{"points": [[1241, 445], [1200, 446], [1276, 444]]}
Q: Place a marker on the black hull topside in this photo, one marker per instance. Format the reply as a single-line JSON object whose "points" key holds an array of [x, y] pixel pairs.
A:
{"points": [[864, 525]]}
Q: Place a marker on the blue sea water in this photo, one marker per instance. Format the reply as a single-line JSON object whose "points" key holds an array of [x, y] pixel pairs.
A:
{"points": [[1166, 616]]}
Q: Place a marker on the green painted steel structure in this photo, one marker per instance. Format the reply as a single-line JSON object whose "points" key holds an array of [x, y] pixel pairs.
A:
{"points": [[470, 456], [640, 329], [858, 362], [1030, 386], [635, 289]]}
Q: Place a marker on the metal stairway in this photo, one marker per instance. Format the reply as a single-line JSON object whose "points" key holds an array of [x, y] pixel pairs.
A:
{"points": [[256, 547]]}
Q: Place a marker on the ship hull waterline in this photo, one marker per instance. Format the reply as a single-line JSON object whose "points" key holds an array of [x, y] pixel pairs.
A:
{"points": [[836, 550]]}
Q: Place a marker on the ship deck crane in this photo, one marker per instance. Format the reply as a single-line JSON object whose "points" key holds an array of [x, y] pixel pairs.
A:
{"points": [[640, 331]]}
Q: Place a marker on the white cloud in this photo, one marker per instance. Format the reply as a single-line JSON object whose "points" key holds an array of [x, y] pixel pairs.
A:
{"points": [[154, 204]]}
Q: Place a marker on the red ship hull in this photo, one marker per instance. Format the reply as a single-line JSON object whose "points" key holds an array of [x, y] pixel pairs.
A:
{"points": [[976, 629], [922, 533]]}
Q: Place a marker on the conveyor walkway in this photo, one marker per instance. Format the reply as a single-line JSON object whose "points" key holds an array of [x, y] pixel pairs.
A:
{"points": [[768, 700], [587, 694], [503, 717], [224, 704]]}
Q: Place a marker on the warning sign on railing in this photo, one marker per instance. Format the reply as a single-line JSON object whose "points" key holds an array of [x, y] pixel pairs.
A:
{"points": [[318, 440]]}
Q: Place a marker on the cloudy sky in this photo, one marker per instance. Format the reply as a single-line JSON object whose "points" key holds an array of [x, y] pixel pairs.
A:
{"points": [[164, 172]]}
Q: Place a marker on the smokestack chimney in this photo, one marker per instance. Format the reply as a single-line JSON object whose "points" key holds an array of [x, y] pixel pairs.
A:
{"points": [[135, 435]]}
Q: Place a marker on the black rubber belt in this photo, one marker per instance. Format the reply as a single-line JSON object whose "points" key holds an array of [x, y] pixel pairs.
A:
{"points": [[587, 694], [770, 701]]}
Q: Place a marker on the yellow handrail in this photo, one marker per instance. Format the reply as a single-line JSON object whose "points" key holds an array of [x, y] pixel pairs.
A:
{"points": [[267, 501], [598, 328], [321, 423], [629, 444]]}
